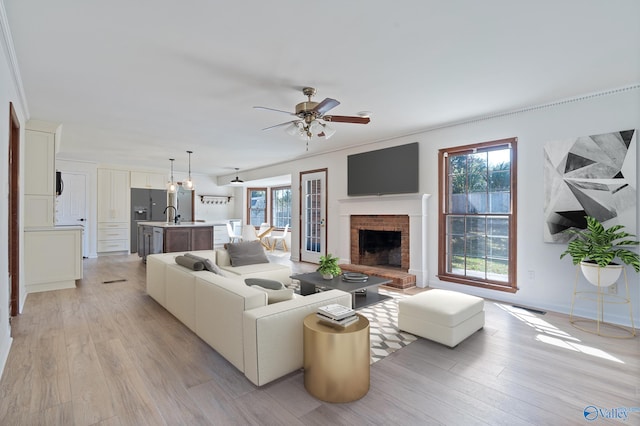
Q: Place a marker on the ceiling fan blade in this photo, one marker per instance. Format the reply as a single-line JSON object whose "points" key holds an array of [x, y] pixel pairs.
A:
{"points": [[273, 109], [346, 119], [325, 106], [280, 125]]}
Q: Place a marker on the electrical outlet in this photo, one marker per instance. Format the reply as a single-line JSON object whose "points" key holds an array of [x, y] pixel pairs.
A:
{"points": [[532, 275], [613, 288]]}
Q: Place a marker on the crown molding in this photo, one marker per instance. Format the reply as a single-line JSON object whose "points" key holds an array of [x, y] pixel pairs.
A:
{"points": [[7, 46]]}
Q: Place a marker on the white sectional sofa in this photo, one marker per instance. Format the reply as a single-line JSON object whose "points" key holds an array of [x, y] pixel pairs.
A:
{"points": [[263, 341]]}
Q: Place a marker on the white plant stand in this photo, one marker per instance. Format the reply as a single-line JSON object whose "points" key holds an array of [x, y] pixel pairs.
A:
{"points": [[601, 297]]}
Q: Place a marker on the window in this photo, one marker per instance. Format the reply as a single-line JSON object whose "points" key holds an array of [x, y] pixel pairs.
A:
{"points": [[257, 206], [281, 206], [477, 223]]}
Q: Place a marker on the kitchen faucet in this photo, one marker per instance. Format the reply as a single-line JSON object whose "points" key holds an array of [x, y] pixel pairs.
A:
{"points": [[176, 219]]}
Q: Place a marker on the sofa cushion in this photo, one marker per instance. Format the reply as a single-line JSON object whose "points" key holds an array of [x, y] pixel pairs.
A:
{"points": [[275, 296], [264, 283], [222, 257], [189, 262], [246, 253]]}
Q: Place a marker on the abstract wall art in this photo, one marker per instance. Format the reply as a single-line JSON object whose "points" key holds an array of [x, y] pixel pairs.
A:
{"points": [[589, 175]]}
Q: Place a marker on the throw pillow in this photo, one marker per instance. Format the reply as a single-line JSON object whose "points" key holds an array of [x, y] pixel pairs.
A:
{"points": [[246, 253], [271, 284], [188, 262], [275, 296], [212, 267], [208, 264]]}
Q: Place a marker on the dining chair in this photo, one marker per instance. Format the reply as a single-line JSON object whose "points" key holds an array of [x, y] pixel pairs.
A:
{"points": [[264, 233], [281, 238], [233, 237], [249, 233]]}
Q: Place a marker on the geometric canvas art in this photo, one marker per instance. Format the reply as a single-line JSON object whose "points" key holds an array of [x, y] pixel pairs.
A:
{"points": [[588, 176]]}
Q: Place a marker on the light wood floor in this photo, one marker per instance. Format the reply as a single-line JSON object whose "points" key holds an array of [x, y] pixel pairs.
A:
{"points": [[108, 354]]}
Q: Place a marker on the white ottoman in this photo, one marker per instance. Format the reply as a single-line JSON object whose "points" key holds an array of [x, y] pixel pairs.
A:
{"points": [[444, 316]]}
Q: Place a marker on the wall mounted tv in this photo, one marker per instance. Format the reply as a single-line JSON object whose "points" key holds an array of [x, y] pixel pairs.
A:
{"points": [[391, 170]]}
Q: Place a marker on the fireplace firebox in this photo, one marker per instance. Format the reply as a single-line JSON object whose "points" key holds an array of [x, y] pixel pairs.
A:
{"points": [[380, 248]]}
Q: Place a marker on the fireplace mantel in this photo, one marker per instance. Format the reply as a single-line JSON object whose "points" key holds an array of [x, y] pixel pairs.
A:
{"points": [[412, 205]]}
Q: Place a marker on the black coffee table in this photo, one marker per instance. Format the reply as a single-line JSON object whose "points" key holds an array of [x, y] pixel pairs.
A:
{"points": [[362, 293]]}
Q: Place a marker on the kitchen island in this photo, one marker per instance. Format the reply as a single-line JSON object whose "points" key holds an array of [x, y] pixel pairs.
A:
{"points": [[163, 237]]}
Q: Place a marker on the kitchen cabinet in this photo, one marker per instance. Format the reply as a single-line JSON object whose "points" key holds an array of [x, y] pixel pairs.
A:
{"points": [[113, 195], [220, 235], [113, 236], [150, 240], [39, 178], [161, 237], [39, 164], [148, 180], [181, 238], [113, 211], [53, 259]]}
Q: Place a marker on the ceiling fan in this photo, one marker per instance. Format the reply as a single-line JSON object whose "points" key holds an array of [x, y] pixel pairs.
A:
{"points": [[309, 113]]}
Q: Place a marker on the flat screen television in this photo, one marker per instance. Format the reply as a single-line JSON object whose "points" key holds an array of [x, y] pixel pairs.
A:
{"points": [[391, 170]]}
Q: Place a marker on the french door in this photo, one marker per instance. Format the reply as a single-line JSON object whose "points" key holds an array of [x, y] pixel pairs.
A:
{"points": [[313, 212]]}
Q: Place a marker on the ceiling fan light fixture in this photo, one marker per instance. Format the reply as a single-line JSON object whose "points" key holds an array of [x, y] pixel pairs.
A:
{"points": [[293, 129], [315, 127], [309, 114], [188, 184], [328, 131]]}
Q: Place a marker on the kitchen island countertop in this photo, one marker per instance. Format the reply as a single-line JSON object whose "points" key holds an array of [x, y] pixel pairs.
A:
{"points": [[183, 224]]}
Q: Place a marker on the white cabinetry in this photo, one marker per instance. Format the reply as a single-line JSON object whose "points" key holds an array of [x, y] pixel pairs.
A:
{"points": [[113, 195], [113, 236], [148, 180], [220, 235], [113, 210], [53, 258], [39, 178]]}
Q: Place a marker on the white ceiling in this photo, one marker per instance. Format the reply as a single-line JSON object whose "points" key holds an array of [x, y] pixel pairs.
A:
{"points": [[138, 82]]}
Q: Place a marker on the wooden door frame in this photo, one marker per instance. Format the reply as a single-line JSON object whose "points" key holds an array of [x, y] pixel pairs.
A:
{"points": [[14, 211]]}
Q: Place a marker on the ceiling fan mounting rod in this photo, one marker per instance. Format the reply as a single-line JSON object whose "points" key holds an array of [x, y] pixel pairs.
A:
{"points": [[309, 92]]}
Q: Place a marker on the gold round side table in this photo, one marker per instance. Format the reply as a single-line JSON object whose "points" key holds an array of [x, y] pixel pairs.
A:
{"points": [[336, 360]]}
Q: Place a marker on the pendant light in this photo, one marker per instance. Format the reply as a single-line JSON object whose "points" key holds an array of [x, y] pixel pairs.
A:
{"points": [[172, 188], [188, 184], [237, 180]]}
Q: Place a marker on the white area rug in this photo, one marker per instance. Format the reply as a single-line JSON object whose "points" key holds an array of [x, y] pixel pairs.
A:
{"points": [[384, 334], [383, 325]]}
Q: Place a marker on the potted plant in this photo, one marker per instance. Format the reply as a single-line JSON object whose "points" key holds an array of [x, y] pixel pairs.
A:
{"points": [[596, 248], [329, 267]]}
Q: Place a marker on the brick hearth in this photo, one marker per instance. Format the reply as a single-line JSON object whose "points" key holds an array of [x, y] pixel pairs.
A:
{"points": [[399, 279]]}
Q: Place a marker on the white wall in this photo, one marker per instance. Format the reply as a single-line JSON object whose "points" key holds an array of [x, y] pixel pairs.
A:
{"points": [[206, 185], [552, 285], [10, 91]]}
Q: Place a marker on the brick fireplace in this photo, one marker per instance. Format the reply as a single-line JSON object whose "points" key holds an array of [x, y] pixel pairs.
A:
{"points": [[380, 240], [406, 213]]}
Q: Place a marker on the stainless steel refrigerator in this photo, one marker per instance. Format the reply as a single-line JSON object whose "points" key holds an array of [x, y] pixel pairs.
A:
{"points": [[146, 205]]}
